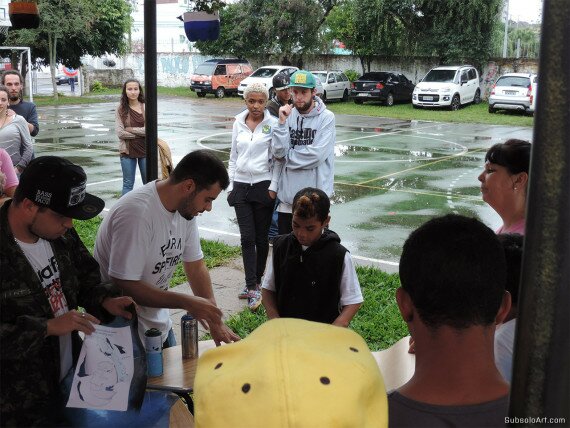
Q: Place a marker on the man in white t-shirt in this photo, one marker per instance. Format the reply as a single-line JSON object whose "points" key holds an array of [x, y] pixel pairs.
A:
{"points": [[150, 230], [46, 274]]}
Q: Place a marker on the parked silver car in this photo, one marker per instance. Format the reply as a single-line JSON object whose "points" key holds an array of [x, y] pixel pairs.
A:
{"points": [[265, 75], [514, 91], [335, 84]]}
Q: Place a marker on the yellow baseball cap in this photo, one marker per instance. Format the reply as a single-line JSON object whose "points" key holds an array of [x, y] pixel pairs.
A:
{"points": [[291, 373]]}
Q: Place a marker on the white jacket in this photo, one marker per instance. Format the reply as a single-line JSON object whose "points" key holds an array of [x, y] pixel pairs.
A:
{"points": [[306, 142], [251, 153]]}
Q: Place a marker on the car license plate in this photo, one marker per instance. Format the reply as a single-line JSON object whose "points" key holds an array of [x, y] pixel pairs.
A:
{"points": [[363, 95], [510, 92], [198, 90], [428, 98]]}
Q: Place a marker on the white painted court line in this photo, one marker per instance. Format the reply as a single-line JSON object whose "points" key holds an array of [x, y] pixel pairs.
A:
{"points": [[199, 141], [104, 182], [368, 259], [220, 232], [379, 134]]}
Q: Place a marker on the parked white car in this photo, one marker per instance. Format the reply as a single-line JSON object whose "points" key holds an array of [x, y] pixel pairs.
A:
{"points": [[265, 75], [448, 86], [514, 91], [335, 85]]}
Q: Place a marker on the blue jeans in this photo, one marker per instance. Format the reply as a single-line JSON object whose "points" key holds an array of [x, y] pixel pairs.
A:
{"points": [[274, 228], [129, 167]]}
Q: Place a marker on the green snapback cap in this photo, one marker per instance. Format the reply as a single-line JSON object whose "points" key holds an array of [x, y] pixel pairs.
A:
{"points": [[303, 79]]}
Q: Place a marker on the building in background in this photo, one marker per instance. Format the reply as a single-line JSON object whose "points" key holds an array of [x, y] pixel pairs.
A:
{"points": [[170, 35]]}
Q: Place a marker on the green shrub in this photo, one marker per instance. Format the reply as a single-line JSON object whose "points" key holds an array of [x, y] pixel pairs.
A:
{"points": [[352, 75], [97, 86]]}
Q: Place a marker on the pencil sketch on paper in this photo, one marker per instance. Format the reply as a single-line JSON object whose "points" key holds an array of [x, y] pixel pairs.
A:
{"points": [[104, 370]]}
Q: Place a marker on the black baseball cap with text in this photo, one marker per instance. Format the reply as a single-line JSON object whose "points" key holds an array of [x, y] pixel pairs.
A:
{"points": [[58, 184]]}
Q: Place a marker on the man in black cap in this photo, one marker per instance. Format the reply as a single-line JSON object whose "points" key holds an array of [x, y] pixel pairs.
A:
{"points": [[282, 95], [46, 273]]}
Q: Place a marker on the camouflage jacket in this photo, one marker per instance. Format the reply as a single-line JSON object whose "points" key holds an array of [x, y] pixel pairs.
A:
{"points": [[30, 364]]}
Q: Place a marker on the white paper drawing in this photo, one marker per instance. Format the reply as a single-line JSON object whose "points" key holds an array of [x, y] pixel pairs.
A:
{"points": [[104, 370]]}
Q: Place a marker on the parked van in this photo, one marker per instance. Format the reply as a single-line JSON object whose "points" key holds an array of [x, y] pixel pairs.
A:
{"points": [[219, 76], [448, 86]]}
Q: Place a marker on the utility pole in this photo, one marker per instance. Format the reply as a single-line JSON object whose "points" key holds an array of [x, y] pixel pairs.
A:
{"points": [[506, 39]]}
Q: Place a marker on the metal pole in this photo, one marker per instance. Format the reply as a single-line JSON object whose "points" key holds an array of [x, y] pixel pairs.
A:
{"points": [[506, 38], [28, 51], [541, 368], [150, 89]]}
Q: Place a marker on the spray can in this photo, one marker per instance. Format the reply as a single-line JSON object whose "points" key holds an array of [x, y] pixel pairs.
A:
{"points": [[153, 347], [189, 327]]}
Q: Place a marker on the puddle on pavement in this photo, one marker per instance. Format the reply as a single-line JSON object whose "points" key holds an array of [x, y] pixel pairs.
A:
{"points": [[374, 219]]}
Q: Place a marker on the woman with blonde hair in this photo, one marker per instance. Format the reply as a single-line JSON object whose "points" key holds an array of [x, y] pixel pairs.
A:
{"points": [[130, 128], [253, 186], [504, 183]]}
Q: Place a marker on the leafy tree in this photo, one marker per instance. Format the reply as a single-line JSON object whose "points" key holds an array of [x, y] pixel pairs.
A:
{"points": [[70, 29], [344, 25], [288, 29], [239, 37], [369, 28], [455, 31], [529, 36], [291, 28]]}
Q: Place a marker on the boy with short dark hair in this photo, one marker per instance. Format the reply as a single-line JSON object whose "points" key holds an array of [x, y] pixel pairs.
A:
{"points": [[311, 275], [452, 272]]}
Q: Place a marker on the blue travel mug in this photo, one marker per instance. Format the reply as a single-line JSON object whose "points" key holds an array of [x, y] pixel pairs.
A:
{"points": [[153, 347]]}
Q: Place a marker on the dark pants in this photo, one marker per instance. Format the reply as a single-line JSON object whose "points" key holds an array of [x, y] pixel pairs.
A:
{"points": [[285, 223], [254, 209]]}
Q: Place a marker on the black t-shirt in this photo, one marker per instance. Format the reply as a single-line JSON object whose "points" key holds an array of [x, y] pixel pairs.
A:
{"points": [[404, 412]]}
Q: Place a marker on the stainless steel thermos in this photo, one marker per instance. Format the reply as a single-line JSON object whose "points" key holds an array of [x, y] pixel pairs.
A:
{"points": [[153, 347], [189, 327]]}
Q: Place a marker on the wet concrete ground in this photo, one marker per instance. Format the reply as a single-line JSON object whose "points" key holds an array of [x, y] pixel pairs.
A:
{"points": [[390, 175]]}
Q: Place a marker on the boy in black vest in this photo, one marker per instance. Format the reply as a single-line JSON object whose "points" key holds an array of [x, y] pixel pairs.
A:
{"points": [[311, 275]]}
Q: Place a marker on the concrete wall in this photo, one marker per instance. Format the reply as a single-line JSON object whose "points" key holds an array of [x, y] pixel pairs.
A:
{"points": [[111, 78], [175, 69], [499, 66]]}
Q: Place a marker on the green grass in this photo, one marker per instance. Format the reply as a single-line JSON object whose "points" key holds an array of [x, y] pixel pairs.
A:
{"points": [[378, 321], [467, 114], [45, 101], [106, 95], [215, 253], [87, 231]]}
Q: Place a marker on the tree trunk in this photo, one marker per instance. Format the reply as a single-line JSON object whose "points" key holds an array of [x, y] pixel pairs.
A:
{"points": [[52, 43]]}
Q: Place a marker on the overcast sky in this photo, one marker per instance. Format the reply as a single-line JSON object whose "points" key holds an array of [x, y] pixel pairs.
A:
{"points": [[525, 10]]}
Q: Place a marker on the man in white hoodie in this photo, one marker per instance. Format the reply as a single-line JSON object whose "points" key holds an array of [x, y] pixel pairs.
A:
{"points": [[304, 139]]}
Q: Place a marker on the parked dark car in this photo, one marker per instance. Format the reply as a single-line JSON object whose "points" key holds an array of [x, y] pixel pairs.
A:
{"points": [[382, 86], [62, 79]]}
